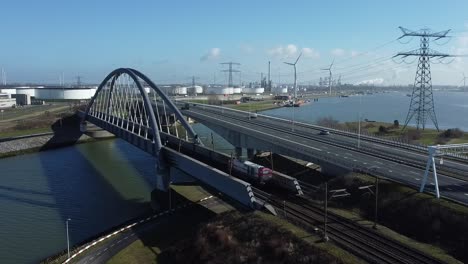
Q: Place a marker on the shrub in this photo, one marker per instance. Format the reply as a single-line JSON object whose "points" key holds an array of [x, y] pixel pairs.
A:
{"points": [[383, 130], [327, 122]]}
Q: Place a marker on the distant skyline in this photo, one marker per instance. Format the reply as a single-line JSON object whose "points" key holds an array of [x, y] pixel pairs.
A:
{"points": [[170, 41]]}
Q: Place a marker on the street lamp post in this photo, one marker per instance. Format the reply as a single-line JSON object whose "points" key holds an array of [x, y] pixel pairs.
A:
{"points": [[293, 116], [359, 124], [68, 238]]}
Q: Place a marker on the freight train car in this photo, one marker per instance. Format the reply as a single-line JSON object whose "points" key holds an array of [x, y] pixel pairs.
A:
{"points": [[252, 170]]}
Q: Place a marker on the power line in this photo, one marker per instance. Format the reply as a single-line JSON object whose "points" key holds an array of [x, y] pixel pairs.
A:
{"points": [[422, 99], [230, 70]]}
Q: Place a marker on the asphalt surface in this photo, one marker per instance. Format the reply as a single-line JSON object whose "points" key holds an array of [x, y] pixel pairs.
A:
{"points": [[397, 163]]}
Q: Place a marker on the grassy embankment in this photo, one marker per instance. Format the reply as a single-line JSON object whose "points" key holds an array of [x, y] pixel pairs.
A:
{"points": [[229, 236], [32, 119], [427, 136], [419, 220], [435, 226], [251, 106]]}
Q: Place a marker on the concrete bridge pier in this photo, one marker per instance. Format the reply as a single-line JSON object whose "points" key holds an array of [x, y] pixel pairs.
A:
{"points": [[238, 153], [163, 178], [250, 153]]}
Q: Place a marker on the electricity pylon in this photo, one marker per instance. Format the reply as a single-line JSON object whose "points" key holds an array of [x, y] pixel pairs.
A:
{"points": [[230, 70], [330, 76], [422, 99]]}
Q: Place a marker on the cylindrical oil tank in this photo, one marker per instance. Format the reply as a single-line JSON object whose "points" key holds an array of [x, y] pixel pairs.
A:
{"points": [[180, 90], [65, 93]]}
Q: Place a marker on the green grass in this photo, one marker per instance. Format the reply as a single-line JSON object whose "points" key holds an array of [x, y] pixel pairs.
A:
{"points": [[15, 133], [428, 136], [313, 239], [191, 192], [16, 113], [387, 232], [137, 252], [255, 106]]}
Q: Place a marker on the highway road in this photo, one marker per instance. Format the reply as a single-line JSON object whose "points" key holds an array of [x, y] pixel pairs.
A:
{"points": [[401, 164]]}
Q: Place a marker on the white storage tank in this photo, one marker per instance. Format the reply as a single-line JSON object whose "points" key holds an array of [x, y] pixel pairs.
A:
{"points": [[27, 90], [9, 90], [237, 90], [280, 90], [198, 89], [259, 90], [180, 90], [219, 90], [65, 93]]}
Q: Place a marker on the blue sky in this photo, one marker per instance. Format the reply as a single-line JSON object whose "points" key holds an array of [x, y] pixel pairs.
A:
{"points": [[173, 40]]}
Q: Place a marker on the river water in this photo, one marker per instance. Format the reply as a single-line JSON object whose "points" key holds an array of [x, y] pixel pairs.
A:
{"points": [[102, 184], [451, 109]]}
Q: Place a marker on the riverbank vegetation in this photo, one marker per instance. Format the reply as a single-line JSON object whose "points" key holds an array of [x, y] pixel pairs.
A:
{"points": [[34, 119], [394, 131]]}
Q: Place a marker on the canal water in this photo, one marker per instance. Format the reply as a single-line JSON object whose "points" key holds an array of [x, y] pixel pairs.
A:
{"points": [[102, 184], [97, 185]]}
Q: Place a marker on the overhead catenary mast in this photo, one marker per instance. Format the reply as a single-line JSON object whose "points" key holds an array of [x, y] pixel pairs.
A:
{"points": [[422, 100]]}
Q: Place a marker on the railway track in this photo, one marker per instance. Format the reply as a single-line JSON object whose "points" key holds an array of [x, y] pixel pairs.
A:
{"points": [[363, 242]]}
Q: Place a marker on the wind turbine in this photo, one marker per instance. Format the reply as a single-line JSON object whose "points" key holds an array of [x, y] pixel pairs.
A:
{"points": [[330, 76], [464, 82], [295, 76]]}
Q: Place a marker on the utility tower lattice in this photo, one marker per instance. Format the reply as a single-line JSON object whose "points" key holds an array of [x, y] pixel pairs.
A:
{"points": [[422, 99], [230, 70]]}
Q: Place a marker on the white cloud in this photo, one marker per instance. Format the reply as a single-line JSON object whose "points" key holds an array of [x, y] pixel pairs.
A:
{"points": [[292, 50], [375, 81], [310, 53], [212, 54], [284, 51], [338, 52], [355, 53], [247, 49]]}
